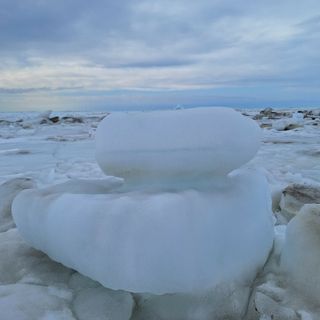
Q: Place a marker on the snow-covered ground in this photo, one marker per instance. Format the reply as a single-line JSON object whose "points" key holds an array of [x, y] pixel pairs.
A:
{"points": [[42, 150]]}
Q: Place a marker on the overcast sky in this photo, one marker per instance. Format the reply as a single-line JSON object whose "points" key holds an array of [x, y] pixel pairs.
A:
{"points": [[121, 54]]}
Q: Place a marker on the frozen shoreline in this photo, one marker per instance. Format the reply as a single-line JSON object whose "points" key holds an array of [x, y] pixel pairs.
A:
{"points": [[50, 153]]}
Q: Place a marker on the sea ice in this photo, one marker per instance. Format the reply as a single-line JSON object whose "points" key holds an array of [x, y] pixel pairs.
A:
{"points": [[154, 242], [103, 304], [176, 144], [26, 302], [295, 195], [287, 156], [225, 301], [199, 227], [300, 259], [8, 191]]}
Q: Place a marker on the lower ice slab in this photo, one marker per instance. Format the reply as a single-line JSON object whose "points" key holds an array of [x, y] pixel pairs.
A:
{"points": [[156, 242]]}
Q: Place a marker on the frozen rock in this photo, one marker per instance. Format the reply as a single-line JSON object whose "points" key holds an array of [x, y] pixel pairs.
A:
{"points": [[72, 119], [271, 114], [176, 144], [296, 195], [8, 191], [41, 118], [166, 242], [288, 123], [54, 119], [103, 304], [300, 259], [30, 302]]}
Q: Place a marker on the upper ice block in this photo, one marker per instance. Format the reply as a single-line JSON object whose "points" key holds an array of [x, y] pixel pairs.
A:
{"points": [[185, 143]]}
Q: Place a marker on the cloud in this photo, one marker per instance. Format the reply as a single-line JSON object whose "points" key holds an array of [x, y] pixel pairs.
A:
{"points": [[160, 45]]}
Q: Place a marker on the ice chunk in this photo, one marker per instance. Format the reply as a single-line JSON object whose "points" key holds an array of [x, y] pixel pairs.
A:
{"points": [[270, 308], [298, 117], [162, 242], [301, 251], [8, 191], [40, 118], [184, 143], [288, 123], [103, 304], [226, 301], [296, 195]]}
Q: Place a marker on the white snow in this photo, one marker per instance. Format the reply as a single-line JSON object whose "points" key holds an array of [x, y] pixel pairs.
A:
{"points": [[184, 143]]}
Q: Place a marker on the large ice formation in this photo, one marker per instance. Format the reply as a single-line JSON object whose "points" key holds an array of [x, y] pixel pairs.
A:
{"points": [[198, 228]]}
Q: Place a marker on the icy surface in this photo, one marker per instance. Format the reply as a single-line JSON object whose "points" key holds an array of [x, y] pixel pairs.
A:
{"points": [[191, 142], [8, 191], [301, 252], [54, 153], [103, 304], [158, 242], [226, 301], [26, 302]]}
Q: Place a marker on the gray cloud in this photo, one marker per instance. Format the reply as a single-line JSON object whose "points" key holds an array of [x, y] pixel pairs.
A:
{"points": [[160, 45], [14, 91]]}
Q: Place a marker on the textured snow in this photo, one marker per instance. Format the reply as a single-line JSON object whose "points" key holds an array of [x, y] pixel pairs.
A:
{"points": [[185, 143]]}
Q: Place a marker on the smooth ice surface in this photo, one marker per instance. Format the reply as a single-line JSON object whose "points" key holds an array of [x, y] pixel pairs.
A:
{"points": [[154, 242], [190, 142]]}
